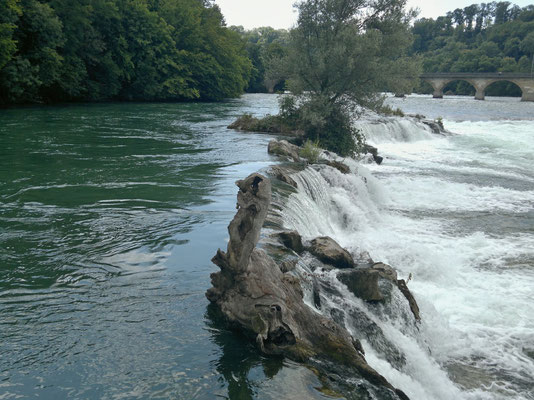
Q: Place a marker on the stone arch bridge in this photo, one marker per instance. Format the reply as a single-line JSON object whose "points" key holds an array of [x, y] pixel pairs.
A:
{"points": [[480, 81]]}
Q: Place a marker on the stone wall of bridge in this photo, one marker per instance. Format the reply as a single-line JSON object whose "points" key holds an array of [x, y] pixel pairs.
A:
{"points": [[480, 81]]}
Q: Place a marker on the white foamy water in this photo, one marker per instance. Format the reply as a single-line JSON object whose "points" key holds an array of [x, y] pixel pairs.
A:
{"points": [[457, 213]]}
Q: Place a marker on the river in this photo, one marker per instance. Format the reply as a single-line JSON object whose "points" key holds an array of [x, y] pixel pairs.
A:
{"points": [[111, 213]]}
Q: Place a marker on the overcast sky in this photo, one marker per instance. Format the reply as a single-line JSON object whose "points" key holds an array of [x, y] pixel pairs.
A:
{"points": [[280, 13]]}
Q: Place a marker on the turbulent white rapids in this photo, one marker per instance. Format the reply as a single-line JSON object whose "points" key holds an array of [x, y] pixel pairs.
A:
{"points": [[457, 213]]}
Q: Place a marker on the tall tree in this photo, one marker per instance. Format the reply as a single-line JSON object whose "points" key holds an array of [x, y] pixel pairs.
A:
{"points": [[341, 55]]}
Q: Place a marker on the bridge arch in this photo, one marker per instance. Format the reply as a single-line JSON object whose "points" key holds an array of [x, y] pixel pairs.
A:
{"points": [[439, 84], [512, 87], [480, 81], [459, 86]]}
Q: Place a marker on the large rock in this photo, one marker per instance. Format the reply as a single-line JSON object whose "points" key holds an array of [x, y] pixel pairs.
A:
{"points": [[282, 174], [328, 251], [256, 297], [376, 283], [374, 152], [363, 283], [290, 239], [284, 148], [343, 168]]}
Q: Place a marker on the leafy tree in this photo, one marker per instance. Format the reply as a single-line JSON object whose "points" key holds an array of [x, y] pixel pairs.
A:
{"points": [[527, 44], [36, 65], [9, 12], [340, 56]]}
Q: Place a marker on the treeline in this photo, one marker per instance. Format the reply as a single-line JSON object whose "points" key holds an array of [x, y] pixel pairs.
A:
{"points": [[486, 37], [97, 50], [266, 47]]}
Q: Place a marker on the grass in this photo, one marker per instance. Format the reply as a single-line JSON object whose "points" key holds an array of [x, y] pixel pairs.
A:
{"points": [[310, 151]]}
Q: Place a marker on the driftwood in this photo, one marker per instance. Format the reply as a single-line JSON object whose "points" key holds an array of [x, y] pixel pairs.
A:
{"points": [[255, 296]]}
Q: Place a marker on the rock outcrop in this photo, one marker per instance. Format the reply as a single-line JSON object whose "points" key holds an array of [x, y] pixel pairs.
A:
{"points": [[255, 296]]}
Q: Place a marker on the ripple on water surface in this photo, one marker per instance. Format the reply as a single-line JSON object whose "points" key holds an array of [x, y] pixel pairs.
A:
{"points": [[110, 215]]}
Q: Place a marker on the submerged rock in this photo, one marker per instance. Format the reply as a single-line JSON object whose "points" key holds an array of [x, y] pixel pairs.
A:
{"points": [[375, 284], [255, 296], [328, 251], [284, 148]]}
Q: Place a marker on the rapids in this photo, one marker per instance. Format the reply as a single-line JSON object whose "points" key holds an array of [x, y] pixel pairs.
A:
{"points": [[456, 213]]}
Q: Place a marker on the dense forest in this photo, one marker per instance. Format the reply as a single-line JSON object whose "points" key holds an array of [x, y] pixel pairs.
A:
{"points": [[176, 50], [486, 37], [95, 50]]}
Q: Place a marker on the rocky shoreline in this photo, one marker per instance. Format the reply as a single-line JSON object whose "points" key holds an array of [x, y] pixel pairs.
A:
{"points": [[272, 289]]}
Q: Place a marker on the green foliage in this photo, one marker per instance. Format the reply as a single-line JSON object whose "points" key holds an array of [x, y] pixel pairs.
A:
{"points": [[266, 47], [9, 12], [388, 110], [64, 50], [340, 56], [267, 124], [310, 151], [486, 37], [36, 65], [439, 121]]}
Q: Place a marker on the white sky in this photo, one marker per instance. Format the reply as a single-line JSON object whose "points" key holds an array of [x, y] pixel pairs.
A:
{"points": [[280, 13]]}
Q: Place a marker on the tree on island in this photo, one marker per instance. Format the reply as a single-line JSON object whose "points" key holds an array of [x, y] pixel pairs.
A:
{"points": [[341, 56]]}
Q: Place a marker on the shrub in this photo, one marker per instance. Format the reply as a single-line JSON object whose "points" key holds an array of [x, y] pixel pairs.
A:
{"points": [[310, 151], [439, 121], [387, 110]]}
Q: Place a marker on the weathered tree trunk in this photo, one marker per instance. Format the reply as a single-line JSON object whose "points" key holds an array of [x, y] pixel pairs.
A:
{"points": [[255, 296]]}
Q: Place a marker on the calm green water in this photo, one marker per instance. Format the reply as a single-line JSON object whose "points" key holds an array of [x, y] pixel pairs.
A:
{"points": [[109, 215]]}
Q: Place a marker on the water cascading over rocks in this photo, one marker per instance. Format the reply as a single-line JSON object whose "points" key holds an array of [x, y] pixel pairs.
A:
{"points": [[256, 297]]}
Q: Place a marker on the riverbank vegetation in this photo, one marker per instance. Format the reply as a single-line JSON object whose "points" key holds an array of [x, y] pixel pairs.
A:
{"points": [[87, 50]]}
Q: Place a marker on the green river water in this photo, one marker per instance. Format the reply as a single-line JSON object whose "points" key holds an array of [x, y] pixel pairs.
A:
{"points": [[109, 217]]}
